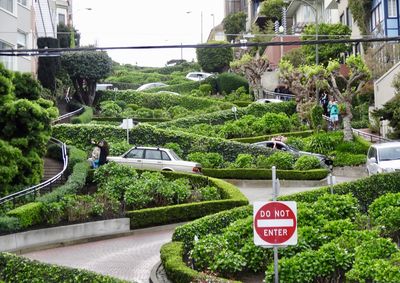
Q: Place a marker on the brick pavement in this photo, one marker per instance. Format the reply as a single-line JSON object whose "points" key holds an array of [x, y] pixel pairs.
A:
{"points": [[130, 257]]}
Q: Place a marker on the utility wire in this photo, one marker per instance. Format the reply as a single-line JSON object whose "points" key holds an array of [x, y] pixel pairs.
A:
{"points": [[58, 51]]}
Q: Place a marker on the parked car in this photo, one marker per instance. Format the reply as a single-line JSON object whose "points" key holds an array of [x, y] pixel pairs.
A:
{"points": [[383, 158], [150, 85], [167, 92], [278, 145], [268, 100], [198, 76], [155, 158]]}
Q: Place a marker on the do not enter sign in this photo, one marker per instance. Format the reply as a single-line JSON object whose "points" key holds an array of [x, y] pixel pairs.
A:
{"points": [[275, 223]]}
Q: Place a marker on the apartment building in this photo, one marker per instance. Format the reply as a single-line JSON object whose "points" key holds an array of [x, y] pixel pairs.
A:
{"points": [[23, 21], [17, 31]]}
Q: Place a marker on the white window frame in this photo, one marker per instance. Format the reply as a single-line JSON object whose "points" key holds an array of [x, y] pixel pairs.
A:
{"points": [[22, 40], [392, 8], [6, 60], [24, 3], [13, 10]]}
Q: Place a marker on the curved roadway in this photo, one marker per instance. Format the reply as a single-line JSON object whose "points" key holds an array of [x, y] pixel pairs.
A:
{"points": [[132, 257]]}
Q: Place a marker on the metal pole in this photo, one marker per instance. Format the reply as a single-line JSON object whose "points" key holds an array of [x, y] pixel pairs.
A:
{"points": [[127, 134], [275, 189]]}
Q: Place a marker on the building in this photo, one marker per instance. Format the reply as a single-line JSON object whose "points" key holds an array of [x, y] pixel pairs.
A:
{"points": [[17, 31], [22, 22]]}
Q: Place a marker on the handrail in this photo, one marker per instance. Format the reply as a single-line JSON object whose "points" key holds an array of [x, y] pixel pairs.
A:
{"points": [[65, 116], [372, 137], [46, 183], [279, 94]]}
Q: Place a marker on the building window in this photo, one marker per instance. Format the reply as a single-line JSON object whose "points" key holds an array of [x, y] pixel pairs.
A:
{"points": [[6, 60], [61, 19], [392, 8], [376, 17], [21, 40], [341, 19], [7, 5], [349, 18], [23, 2]]}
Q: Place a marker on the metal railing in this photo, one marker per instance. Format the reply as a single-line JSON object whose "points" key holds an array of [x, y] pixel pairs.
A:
{"points": [[37, 188], [65, 116], [278, 95]]}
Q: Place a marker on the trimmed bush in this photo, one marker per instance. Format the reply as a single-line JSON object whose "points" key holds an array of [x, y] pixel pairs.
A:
{"points": [[149, 135], [207, 159], [220, 117], [348, 159], [280, 159], [269, 137], [265, 174], [28, 215], [19, 269], [306, 162], [228, 82], [231, 197], [83, 118], [9, 224]]}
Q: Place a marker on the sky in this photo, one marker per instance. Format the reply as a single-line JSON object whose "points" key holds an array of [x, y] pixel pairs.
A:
{"points": [[144, 22]]}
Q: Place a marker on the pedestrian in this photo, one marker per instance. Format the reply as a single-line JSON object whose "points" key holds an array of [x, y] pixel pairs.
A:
{"points": [[104, 151], [324, 101], [95, 157], [333, 112]]}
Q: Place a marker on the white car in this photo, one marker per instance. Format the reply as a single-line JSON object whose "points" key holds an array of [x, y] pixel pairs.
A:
{"points": [[198, 76], [155, 158], [383, 158], [150, 85]]}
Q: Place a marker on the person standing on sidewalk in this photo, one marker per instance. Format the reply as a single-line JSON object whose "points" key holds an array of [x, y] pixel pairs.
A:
{"points": [[333, 113], [104, 151]]}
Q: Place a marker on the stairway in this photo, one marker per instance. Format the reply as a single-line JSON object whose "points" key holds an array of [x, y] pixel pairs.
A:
{"points": [[51, 168]]}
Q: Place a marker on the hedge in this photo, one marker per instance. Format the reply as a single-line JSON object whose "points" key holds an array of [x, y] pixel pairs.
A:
{"points": [[177, 271], [162, 100], [186, 87], [301, 134], [83, 118], [80, 135], [220, 117], [366, 190], [19, 269], [232, 197], [265, 174], [28, 214]]}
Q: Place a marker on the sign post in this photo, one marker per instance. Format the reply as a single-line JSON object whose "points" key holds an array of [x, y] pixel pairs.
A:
{"points": [[275, 223], [127, 124]]}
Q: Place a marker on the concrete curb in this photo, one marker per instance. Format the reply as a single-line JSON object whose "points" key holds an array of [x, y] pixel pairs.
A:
{"points": [[284, 183], [158, 275]]}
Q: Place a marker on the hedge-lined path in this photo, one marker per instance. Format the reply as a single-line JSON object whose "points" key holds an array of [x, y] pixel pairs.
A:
{"points": [[130, 257]]}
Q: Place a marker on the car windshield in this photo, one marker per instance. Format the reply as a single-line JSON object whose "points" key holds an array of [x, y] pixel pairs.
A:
{"points": [[292, 147], [389, 153], [174, 155]]}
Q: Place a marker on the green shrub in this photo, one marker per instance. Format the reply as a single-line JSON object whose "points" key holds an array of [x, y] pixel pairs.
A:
{"points": [[265, 174], [149, 135], [85, 117], [9, 224], [324, 142], [175, 147], [209, 193], [207, 159], [348, 159], [28, 215], [316, 114], [306, 162], [75, 155], [118, 148], [229, 82], [280, 159], [243, 161], [19, 269], [205, 89], [272, 123], [110, 109], [269, 137]]}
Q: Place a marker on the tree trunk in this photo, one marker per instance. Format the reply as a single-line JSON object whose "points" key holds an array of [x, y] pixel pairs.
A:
{"points": [[91, 92], [258, 92], [348, 133]]}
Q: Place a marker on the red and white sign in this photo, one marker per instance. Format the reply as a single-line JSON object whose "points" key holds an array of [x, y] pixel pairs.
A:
{"points": [[275, 223]]}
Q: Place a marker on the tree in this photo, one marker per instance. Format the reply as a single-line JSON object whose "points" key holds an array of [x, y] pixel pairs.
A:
{"points": [[359, 74], [85, 69], [214, 59], [68, 36], [326, 52], [234, 24], [272, 9], [303, 82], [48, 65], [24, 130], [252, 68]]}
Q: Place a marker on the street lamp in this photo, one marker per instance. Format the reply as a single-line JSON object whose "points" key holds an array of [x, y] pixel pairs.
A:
{"points": [[201, 25]]}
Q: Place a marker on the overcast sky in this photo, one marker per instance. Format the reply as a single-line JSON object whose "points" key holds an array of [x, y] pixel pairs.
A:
{"points": [[144, 22]]}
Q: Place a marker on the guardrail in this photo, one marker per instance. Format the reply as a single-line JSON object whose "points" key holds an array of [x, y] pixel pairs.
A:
{"points": [[70, 114], [37, 188], [368, 136], [278, 95]]}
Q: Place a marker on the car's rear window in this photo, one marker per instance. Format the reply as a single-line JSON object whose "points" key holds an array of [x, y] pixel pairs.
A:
{"points": [[153, 154]]}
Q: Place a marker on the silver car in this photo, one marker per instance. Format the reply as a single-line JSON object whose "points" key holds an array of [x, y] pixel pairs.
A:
{"points": [[383, 158], [155, 158]]}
